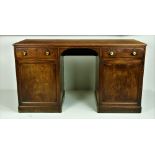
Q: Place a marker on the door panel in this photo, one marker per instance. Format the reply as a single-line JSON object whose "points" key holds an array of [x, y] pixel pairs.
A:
{"points": [[38, 82], [120, 80]]}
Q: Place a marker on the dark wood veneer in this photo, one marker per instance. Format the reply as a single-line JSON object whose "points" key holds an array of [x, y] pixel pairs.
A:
{"points": [[119, 73]]}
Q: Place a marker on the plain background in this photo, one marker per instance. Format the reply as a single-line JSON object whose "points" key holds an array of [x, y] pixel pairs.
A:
{"points": [[77, 17]]}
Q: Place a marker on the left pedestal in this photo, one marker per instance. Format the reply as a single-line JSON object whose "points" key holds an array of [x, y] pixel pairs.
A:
{"points": [[37, 71]]}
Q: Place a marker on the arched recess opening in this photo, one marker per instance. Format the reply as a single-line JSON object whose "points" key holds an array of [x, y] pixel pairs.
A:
{"points": [[80, 71], [79, 51]]}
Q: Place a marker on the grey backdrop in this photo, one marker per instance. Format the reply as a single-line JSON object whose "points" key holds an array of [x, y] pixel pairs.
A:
{"points": [[79, 72]]}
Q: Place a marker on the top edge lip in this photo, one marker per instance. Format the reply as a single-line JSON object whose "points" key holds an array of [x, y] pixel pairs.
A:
{"points": [[97, 42]]}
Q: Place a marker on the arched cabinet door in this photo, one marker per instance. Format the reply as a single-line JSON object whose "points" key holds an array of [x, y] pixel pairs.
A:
{"points": [[121, 84]]}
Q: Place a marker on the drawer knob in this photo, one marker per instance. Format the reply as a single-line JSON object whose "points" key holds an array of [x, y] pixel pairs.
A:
{"points": [[111, 53], [47, 53], [24, 53], [134, 53]]}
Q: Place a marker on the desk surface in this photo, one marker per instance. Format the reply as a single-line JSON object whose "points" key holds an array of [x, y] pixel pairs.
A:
{"points": [[80, 42]]}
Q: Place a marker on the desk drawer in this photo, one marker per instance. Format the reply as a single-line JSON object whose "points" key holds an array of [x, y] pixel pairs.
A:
{"points": [[122, 52], [42, 53]]}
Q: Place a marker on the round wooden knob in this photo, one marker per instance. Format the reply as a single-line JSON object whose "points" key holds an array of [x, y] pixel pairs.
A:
{"points": [[134, 53], [111, 53], [24, 53], [47, 53]]}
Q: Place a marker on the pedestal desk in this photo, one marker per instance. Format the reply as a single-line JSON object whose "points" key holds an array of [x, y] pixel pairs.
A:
{"points": [[40, 73]]}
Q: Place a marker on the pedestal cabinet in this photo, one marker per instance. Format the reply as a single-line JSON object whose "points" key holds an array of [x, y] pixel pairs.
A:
{"points": [[119, 73], [121, 84], [37, 79]]}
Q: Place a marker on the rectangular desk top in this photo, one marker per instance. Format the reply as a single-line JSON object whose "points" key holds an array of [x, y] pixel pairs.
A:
{"points": [[80, 42]]}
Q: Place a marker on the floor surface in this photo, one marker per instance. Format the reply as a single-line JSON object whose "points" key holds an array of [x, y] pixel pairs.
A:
{"points": [[77, 104]]}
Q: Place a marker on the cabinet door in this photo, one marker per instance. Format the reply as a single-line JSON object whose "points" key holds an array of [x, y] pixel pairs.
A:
{"points": [[37, 82], [121, 81]]}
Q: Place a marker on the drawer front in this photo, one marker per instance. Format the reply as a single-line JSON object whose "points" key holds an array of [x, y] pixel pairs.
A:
{"points": [[122, 52], [41, 53]]}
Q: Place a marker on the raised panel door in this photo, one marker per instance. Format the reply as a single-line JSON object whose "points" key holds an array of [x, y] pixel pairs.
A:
{"points": [[37, 82], [121, 81]]}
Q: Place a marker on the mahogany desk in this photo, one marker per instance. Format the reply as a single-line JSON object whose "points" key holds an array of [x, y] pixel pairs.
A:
{"points": [[40, 73]]}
